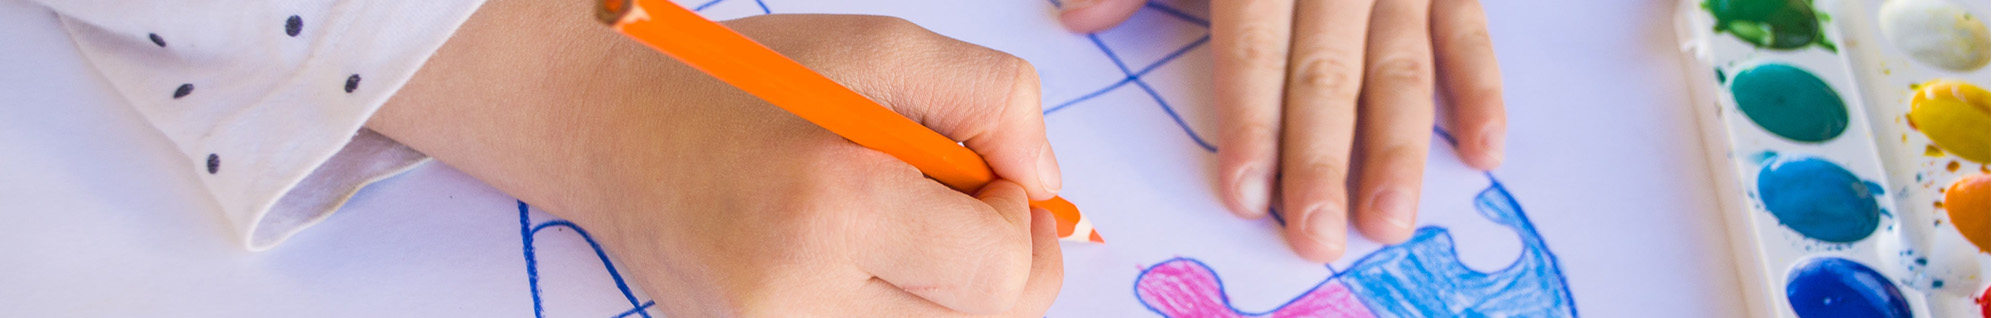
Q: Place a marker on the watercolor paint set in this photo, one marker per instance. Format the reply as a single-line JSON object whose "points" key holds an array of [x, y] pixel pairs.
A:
{"points": [[1850, 145]]}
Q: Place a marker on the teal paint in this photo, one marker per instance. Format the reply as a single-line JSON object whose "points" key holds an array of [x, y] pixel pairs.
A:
{"points": [[1838, 288], [1818, 199], [1789, 102]]}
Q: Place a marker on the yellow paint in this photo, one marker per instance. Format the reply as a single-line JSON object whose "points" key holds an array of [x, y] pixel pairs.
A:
{"points": [[1970, 204], [1955, 115]]}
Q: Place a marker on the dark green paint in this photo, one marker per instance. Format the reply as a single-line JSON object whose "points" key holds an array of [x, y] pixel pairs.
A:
{"points": [[1777, 24]]}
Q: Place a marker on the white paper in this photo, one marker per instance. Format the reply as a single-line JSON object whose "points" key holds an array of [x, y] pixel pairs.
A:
{"points": [[1603, 161]]}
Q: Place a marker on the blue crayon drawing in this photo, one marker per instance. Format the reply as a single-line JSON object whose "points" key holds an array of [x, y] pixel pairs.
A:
{"points": [[534, 278], [1420, 278]]}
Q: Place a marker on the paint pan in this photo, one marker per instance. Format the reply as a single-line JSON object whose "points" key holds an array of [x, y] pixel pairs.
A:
{"points": [[1839, 133]]}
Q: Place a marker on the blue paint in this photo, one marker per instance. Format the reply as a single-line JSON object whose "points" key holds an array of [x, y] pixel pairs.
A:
{"points": [[1838, 288], [1819, 199]]}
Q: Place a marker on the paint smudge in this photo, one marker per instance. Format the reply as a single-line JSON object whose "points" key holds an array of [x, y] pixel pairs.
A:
{"points": [[1955, 115], [1951, 167], [1789, 102], [1776, 24], [1969, 203], [1835, 287], [1818, 199], [1938, 33]]}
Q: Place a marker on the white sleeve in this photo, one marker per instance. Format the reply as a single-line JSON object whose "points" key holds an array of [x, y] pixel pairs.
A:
{"points": [[267, 98]]}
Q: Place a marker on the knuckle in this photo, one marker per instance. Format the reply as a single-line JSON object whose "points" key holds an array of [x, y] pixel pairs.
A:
{"points": [[1326, 75], [1401, 70], [884, 26], [1325, 169], [1260, 47], [1255, 132], [1473, 40]]}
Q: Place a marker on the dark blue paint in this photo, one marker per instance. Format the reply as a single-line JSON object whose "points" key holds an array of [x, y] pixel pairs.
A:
{"points": [[1838, 288], [1819, 199]]}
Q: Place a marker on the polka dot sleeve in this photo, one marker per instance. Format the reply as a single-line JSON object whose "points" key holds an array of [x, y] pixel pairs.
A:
{"points": [[267, 98]]}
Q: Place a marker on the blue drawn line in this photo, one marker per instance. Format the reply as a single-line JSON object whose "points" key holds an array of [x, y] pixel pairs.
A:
{"points": [[1177, 13], [1133, 78], [534, 278], [711, 3], [641, 310], [704, 6]]}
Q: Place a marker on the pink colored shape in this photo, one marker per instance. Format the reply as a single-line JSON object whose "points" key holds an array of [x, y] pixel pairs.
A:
{"points": [[1184, 288]]}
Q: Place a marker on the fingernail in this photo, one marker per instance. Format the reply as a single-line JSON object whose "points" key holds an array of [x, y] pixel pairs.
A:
{"points": [[1051, 174], [1325, 230], [1394, 206], [1253, 186], [1068, 5], [1495, 142]]}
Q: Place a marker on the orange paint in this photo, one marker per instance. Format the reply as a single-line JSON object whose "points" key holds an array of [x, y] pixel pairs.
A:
{"points": [[762, 72], [1952, 167], [1969, 202]]}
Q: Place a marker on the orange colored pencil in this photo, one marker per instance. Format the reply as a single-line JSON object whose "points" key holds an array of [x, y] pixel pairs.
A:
{"points": [[760, 71]]}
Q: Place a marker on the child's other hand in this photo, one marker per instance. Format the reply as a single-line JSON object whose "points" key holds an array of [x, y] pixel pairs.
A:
{"points": [[720, 204], [1294, 78]]}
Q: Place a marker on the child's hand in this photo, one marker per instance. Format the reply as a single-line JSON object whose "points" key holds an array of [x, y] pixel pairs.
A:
{"points": [[1289, 76], [720, 204]]}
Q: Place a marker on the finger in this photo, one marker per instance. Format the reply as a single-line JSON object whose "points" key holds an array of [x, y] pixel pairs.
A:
{"points": [[1046, 276], [1320, 97], [1088, 16], [1475, 113], [1251, 37], [986, 99], [971, 256], [1397, 115]]}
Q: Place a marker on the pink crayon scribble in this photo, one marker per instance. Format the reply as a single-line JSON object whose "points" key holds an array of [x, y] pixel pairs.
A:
{"points": [[1185, 288]]}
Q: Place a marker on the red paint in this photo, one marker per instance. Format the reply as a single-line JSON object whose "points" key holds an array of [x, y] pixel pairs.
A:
{"points": [[1985, 301]]}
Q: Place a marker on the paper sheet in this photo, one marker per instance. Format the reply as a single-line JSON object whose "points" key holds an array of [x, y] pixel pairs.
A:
{"points": [[1602, 209]]}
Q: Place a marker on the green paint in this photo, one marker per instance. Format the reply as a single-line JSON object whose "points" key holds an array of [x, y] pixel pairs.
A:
{"points": [[1789, 102], [1777, 24]]}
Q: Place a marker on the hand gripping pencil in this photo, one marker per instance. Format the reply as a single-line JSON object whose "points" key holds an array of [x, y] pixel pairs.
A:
{"points": [[747, 65]]}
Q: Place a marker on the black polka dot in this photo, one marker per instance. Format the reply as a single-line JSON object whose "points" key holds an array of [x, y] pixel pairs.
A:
{"points": [[183, 91], [156, 39], [352, 82], [213, 163], [292, 26]]}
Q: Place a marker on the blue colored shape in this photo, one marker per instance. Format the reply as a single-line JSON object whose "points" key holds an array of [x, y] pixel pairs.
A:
{"points": [[1424, 278], [1830, 287], [1817, 198]]}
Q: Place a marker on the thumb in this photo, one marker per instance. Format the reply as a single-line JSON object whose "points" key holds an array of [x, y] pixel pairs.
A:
{"points": [[1096, 15]]}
